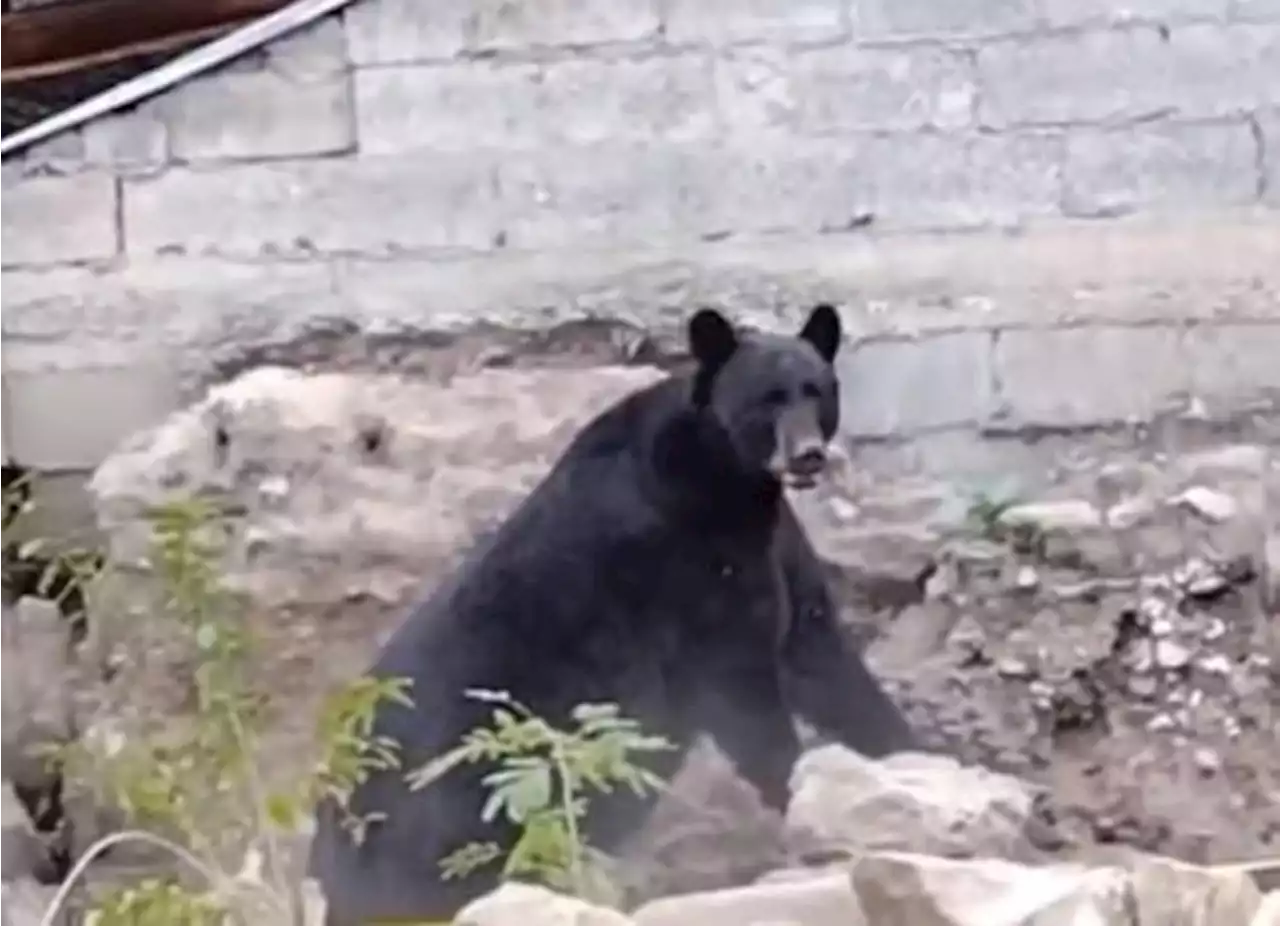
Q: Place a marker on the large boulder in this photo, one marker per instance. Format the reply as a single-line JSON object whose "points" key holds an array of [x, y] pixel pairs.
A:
{"points": [[353, 485]]}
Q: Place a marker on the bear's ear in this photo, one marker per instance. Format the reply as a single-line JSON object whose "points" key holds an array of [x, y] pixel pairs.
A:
{"points": [[822, 330], [712, 339]]}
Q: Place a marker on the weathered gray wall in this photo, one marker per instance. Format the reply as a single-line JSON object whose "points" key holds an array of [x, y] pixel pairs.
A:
{"points": [[1035, 212]]}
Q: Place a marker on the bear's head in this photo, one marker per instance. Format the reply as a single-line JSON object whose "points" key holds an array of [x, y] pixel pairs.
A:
{"points": [[775, 398]]}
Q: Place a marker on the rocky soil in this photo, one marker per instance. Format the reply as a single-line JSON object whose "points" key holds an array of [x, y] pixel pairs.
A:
{"points": [[1109, 635]]}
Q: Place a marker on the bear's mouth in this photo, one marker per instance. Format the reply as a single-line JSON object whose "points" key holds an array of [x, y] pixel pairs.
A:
{"points": [[799, 481]]}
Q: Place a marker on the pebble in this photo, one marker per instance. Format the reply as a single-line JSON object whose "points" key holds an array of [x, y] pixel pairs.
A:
{"points": [[1215, 664], [1209, 504], [1027, 579], [1161, 723], [1011, 667], [1171, 655], [1144, 686], [1070, 514], [1207, 761], [1200, 579], [1161, 627], [1153, 609], [1215, 629], [844, 509]]}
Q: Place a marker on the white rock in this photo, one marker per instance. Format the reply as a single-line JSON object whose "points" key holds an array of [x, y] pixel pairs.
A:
{"points": [[323, 513], [515, 904], [827, 900], [1171, 655], [1171, 893], [1269, 913], [909, 801], [1069, 515], [1209, 504], [898, 889]]}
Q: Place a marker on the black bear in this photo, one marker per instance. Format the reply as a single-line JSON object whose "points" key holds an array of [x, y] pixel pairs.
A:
{"points": [[658, 566]]}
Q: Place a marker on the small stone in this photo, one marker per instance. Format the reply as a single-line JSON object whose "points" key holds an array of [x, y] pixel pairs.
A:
{"points": [[1161, 723], [1152, 609], [1144, 686], [1207, 762], [843, 509], [1214, 630], [1140, 661], [1234, 460], [1161, 627], [1215, 664], [1027, 579], [1171, 655], [1209, 504], [274, 488], [1071, 514], [1271, 570], [1011, 667], [1130, 513], [1201, 580]]}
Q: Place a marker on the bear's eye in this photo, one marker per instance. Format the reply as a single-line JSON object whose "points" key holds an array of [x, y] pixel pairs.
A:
{"points": [[775, 396], [811, 391]]}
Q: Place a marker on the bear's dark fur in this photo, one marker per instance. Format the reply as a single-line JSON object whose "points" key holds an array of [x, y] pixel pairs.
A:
{"points": [[659, 567]]}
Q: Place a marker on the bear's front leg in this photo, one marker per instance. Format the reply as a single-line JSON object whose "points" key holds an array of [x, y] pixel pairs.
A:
{"points": [[825, 678], [742, 707]]}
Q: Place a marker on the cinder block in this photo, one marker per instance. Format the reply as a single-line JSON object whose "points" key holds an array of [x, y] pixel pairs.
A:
{"points": [[1109, 12], [597, 196], [590, 100], [876, 19], [404, 31], [899, 387], [1112, 172], [259, 114], [52, 220], [1255, 10], [373, 205], [962, 181], [1088, 376], [409, 31], [719, 22], [457, 107], [844, 88], [63, 153], [1197, 71], [1269, 126], [610, 195], [1234, 360], [560, 22], [158, 305], [72, 419], [130, 140], [315, 51]]}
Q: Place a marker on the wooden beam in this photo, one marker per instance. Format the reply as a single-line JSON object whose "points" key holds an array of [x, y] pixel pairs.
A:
{"points": [[70, 36]]}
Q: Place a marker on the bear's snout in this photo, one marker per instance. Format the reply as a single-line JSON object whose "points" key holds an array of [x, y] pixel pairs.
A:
{"points": [[803, 466]]}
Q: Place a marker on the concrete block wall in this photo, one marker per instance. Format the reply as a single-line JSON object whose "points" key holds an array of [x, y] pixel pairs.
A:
{"points": [[992, 189]]}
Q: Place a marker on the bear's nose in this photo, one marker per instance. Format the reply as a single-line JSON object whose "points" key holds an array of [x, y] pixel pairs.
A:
{"points": [[808, 462]]}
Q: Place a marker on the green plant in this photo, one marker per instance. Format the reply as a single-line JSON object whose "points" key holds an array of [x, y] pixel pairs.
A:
{"points": [[194, 787], [988, 517], [542, 781]]}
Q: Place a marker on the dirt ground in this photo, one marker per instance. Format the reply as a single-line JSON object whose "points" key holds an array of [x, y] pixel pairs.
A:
{"points": [[1109, 629], [1131, 670]]}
